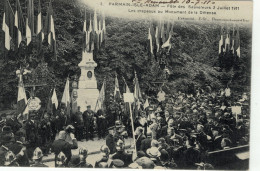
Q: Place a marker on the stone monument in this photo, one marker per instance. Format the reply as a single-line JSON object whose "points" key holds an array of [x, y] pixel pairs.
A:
{"points": [[87, 85]]}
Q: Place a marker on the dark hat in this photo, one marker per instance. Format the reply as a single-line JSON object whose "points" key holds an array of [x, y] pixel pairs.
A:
{"points": [[6, 129], [162, 140], [19, 134], [75, 160], [215, 128], [118, 163], [6, 139], [164, 155], [140, 154], [88, 106]]}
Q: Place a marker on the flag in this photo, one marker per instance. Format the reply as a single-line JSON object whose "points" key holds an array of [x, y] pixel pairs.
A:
{"points": [[150, 38], [91, 34], [168, 42], [146, 104], [137, 92], [227, 42], [221, 42], [127, 90], [21, 99], [54, 99], [50, 30], [39, 31], [168, 28], [157, 38], [104, 25], [30, 22], [19, 25], [8, 25], [96, 31], [101, 98], [28, 33], [85, 34], [100, 32], [162, 33], [95, 22], [74, 104], [237, 44], [117, 95], [233, 41], [66, 97]]}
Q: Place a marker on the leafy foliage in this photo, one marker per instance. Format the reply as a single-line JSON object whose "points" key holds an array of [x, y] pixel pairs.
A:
{"points": [[193, 61]]}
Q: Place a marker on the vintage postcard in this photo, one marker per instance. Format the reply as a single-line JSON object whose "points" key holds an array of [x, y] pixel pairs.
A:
{"points": [[136, 84]]}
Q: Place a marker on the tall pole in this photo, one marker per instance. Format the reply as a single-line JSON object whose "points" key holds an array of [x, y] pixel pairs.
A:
{"points": [[132, 122]]}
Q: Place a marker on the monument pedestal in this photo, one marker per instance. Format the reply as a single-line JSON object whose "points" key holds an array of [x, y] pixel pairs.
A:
{"points": [[87, 86]]}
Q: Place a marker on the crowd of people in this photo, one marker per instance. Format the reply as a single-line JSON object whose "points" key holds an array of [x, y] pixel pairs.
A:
{"points": [[177, 132]]}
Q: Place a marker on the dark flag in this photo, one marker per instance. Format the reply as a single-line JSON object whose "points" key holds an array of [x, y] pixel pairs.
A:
{"points": [[52, 102], [137, 92], [39, 31], [103, 31], [163, 39], [101, 98], [233, 41], [91, 34], [50, 30], [127, 90], [227, 42], [8, 25], [85, 34], [29, 22], [96, 31], [237, 44], [19, 25]]}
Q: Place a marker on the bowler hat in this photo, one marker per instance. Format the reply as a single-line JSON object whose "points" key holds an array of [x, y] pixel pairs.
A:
{"points": [[75, 161], [118, 163], [6, 130]]}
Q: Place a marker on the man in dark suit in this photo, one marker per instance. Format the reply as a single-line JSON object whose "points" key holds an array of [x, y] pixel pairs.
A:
{"points": [[110, 142], [121, 154], [146, 143], [78, 123], [101, 124], [88, 117], [19, 149], [13, 123], [173, 139], [61, 145], [4, 148], [139, 136]]}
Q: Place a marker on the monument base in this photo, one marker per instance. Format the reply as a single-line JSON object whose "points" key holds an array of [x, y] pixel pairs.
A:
{"points": [[87, 97]]}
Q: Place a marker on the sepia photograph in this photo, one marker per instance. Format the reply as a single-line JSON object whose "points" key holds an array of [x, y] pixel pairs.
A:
{"points": [[128, 84]]}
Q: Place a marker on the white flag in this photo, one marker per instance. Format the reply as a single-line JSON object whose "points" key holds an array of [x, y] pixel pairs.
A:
{"points": [[54, 99]]}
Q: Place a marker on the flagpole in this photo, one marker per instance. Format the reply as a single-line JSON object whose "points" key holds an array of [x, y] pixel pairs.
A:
{"points": [[132, 122]]}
